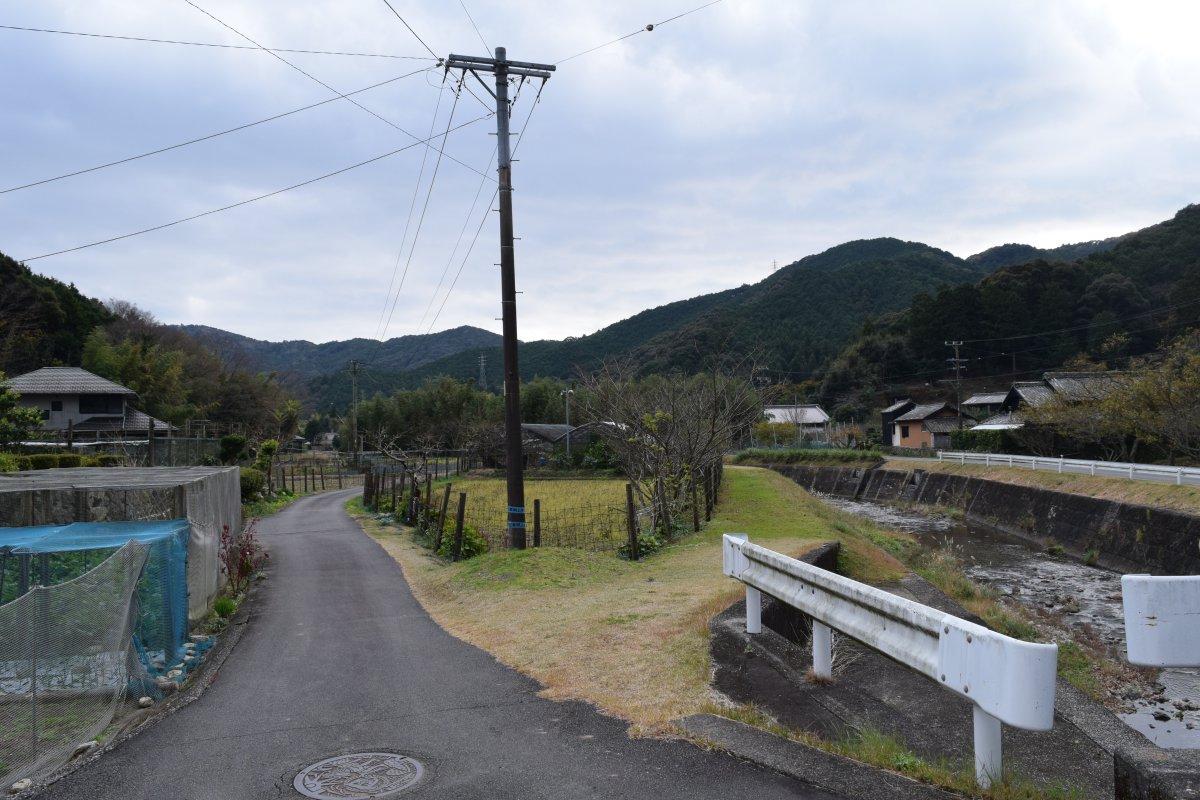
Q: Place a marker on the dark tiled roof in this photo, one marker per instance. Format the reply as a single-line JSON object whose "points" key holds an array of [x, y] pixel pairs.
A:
{"points": [[896, 406], [798, 415], [1001, 422], [947, 424], [65, 380], [547, 432], [986, 399], [921, 412], [1034, 393], [134, 421], [1082, 385]]}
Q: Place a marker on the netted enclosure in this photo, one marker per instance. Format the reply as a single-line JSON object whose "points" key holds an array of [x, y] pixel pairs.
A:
{"points": [[66, 659]]}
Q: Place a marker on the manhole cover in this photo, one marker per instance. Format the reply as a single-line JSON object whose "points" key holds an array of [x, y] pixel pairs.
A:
{"points": [[358, 776]]}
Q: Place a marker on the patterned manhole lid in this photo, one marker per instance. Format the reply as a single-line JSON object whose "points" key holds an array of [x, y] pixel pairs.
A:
{"points": [[358, 776]]}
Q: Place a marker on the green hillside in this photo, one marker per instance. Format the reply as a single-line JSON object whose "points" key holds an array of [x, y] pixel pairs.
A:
{"points": [[1020, 320]]}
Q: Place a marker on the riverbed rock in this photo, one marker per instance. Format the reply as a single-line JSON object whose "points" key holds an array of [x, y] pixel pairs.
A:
{"points": [[83, 747], [145, 702], [22, 785]]}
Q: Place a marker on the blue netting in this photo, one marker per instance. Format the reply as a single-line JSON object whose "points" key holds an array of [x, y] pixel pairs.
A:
{"points": [[52, 554]]}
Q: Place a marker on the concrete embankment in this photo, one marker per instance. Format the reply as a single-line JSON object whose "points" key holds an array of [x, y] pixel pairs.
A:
{"points": [[1122, 536]]}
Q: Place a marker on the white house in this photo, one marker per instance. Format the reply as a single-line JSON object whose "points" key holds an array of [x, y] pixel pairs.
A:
{"points": [[73, 398], [809, 418]]}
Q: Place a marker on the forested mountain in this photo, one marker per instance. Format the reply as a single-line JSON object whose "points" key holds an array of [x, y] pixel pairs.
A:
{"points": [[791, 322], [43, 322], [1021, 320], [1009, 255], [303, 361]]}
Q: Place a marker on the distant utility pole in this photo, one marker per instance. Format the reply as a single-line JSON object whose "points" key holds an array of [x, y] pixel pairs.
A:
{"points": [[502, 69], [956, 364], [355, 368], [483, 370], [567, 393]]}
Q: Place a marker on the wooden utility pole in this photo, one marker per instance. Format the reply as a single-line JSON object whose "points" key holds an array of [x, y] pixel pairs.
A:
{"points": [[503, 69], [354, 370]]}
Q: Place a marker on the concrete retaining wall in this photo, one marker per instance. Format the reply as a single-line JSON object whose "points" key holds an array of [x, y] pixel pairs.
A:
{"points": [[1125, 537]]}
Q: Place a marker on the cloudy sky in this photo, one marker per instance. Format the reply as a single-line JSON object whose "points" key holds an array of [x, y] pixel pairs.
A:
{"points": [[676, 162]]}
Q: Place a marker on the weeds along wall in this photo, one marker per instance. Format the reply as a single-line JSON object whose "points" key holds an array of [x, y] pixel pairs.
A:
{"points": [[65, 663], [208, 497]]}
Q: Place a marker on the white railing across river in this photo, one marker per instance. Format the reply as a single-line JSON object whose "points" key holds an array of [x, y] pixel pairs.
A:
{"points": [[1008, 680], [1159, 473]]}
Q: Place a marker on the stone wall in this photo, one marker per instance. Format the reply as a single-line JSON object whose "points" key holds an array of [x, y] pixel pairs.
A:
{"points": [[1122, 536]]}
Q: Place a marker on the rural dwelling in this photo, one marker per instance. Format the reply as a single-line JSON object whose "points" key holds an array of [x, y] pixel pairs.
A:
{"points": [[888, 418], [917, 427], [1053, 385], [810, 419], [983, 404], [88, 406], [547, 437]]}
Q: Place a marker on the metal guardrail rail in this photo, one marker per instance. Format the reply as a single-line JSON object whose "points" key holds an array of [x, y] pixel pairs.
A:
{"points": [[1157, 473], [1006, 679], [1162, 620]]}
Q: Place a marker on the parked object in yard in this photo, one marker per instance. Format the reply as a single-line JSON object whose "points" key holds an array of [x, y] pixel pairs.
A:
{"points": [[1007, 680], [1162, 620]]}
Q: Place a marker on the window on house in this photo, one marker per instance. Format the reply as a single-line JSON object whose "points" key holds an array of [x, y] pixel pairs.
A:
{"points": [[903, 431], [56, 405]]}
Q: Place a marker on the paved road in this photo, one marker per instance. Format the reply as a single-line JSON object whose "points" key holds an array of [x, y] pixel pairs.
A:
{"points": [[339, 658]]}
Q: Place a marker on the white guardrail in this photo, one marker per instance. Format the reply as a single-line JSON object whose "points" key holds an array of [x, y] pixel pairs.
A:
{"points": [[1162, 620], [1158, 473], [1008, 680]]}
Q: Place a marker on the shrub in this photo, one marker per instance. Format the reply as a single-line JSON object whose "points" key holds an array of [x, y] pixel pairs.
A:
{"points": [[253, 483], [8, 462], [43, 461], [240, 557], [70, 460], [233, 447], [109, 460], [225, 606], [266, 454], [473, 544], [762, 455], [23, 463]]}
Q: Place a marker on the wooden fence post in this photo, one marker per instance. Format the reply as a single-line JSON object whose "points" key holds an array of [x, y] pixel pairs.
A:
{"points": [[537, 523], [631, 523], [393, 494], [304, 473], [441, 530], [322, 471], [458, 525], [428, 501], [709, 500]]}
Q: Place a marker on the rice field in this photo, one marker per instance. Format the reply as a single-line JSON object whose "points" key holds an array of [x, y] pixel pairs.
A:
{"points": [[585, 513]]}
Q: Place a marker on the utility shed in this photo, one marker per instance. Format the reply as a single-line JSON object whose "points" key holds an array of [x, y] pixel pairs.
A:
{"points": [[208, 497]]}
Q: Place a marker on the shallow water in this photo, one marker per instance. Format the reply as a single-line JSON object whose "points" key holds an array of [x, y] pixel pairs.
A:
{"points": [[1087, 599]]}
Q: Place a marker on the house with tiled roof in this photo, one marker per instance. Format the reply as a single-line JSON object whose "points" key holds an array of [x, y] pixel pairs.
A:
{"points": [[927, 425], [84, 404]]}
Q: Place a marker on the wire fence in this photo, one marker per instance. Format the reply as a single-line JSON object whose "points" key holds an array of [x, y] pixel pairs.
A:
{"points": [[628, 529]]}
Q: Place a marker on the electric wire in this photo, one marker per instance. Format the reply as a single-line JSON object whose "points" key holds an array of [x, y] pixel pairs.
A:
{"points": [[421, 219], [646, 29], [249, 200], [314, 78], [416, 35], [412, 205], [206, 137], [211, 44], [533, 106], [1151, 312], [478, 33]]}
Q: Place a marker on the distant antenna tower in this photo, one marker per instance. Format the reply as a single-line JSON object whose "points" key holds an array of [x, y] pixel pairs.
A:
{"points": [[483, 370]]}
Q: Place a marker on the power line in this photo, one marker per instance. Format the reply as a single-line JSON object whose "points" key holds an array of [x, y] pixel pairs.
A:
{"points": [[314, 78], [410, 30], [206, 137], [250, 200], [1149, 313], [646, 29], [482, 41], [467, 255], [210, 44], [421, 219], [412, 205]]}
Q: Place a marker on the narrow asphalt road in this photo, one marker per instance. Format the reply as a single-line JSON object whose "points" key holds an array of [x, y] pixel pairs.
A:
{"points": [[340, 658]]}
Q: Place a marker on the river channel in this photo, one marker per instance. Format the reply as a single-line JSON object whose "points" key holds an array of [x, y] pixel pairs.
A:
{"points": [[1086, 599]]}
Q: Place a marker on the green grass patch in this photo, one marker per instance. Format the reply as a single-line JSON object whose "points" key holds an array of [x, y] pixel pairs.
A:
{"points": [[799, 455]]}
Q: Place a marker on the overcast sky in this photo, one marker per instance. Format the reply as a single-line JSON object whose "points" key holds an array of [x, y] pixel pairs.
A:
{"points": [[680, 161]]}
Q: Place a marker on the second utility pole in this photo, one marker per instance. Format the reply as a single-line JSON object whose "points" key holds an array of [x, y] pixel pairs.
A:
{"points": [[502, 68]]}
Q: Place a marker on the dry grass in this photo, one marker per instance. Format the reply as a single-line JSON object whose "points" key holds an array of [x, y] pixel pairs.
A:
{"points": [[1159, 495], [631, 638]]}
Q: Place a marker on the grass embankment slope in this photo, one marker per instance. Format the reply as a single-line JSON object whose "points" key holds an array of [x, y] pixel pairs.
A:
{"points": [[1123, 490], [629, 637]]}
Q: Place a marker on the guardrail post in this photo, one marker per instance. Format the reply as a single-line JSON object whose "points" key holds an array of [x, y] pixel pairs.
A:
{"points": [[1179, 477], [1131, 472], [822, 650], [753, 610], [989, 762], [1060, 464]]}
